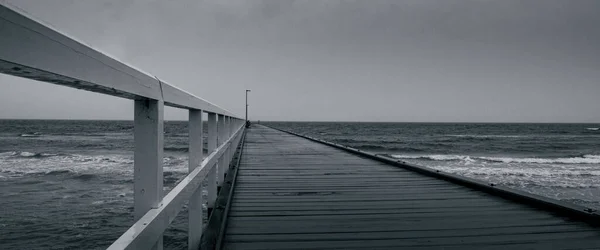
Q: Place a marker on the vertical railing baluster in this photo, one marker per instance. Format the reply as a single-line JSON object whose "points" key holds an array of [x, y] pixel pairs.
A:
{"points": [[212, 174], [231, 125], [148, 157], [194, 160], [228, 148], [231, 148], [220, 140]]}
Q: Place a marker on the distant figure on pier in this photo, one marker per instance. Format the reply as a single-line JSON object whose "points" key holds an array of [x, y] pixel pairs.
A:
{"points": [[248, 123]]}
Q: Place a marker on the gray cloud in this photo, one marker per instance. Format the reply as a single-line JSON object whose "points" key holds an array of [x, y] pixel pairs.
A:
{"points": [[414, 60]]}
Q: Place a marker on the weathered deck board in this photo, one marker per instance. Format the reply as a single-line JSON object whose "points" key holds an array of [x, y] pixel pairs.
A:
{"points": [[292, 193]]}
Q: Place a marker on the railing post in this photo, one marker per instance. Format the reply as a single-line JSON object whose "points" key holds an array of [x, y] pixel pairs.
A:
{"points": [[212, 174], [194, 160], [228, 149], [220, 140], [231, 148], [148, 157], [239, 124], [230, 122]]}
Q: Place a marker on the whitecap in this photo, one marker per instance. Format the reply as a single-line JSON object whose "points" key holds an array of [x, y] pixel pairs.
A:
{"points": [[437, 157], [9, 153], [586, 159], [571, 160], [488, 136], [36, 134], [27, 154], [592, 156], [26, 163]]}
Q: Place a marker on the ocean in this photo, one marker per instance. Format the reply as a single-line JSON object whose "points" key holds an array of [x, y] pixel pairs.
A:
{"points": [[68, 184]]}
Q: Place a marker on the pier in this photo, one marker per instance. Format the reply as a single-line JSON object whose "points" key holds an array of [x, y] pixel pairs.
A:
{"points": [[273, 189], [295, 193]]}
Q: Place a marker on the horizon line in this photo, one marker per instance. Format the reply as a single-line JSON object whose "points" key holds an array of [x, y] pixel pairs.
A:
{"points": [[321, 121]]}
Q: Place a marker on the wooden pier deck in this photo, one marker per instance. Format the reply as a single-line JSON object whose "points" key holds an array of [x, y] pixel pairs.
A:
{"points": [[293, 193]]}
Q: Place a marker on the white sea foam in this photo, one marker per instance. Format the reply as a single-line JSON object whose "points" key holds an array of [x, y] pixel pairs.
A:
{"points": [[593, 129], [9, 153], [489, 136], [434, 157], [586, 159], [480, 136], [592, 156], [547, 177], [36, 134], [26, 154], [571, 160], [16, 164], [539, 175]]}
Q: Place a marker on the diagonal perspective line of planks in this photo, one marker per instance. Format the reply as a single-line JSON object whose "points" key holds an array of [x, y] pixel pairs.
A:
{"points": [[292, 193]]}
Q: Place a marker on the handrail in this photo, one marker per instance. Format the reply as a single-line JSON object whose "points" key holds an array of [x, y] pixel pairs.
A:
{"points": [[33, 50]]}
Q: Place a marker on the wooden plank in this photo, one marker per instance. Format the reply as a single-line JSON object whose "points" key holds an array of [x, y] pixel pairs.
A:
{"points": [[468, 201], [330, 212], [346, 183], [316, 207], [440, 243], [360, 193], [342, 187], [298, 175], [508, 239], [383, 225], [394, 214], [330, 190], [468, 235], [347, 198]]}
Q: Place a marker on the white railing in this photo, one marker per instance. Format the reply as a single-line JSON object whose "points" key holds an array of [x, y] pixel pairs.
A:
{"points": [[32, 50]]}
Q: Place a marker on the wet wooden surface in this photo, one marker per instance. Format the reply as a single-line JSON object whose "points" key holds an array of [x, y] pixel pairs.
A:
{"points": [[292, 193]]}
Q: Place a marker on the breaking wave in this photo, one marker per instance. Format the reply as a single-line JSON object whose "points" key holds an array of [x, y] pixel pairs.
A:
{"points": [[36, 134], [436, 157], [84, 167], [539, 175], [388, 148], [585, 159], [25, 154], [489, 136]]}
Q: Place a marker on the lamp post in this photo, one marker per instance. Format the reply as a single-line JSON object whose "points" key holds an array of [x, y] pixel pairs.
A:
{"points": [[247, 106]]}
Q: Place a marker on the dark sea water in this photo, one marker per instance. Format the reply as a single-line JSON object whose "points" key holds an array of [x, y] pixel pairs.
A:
{"points": [[68, 184]]}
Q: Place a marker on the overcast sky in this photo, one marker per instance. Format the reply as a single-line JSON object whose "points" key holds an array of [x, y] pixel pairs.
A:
{"points": [[414, 60]]}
